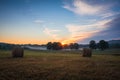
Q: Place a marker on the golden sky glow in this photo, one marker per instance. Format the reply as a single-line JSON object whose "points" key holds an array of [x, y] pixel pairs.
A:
{"points": [[65, 21]]}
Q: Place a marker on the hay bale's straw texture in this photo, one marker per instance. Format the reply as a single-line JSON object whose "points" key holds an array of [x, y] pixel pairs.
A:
{"points": [[87, 52], [17, 52]]}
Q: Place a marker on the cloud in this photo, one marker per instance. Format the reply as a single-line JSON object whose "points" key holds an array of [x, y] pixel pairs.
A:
{"points": [[82, 32], [38, 21], [52, 33], [103, 27], [83, 8], [109, 14], [113, 29]]}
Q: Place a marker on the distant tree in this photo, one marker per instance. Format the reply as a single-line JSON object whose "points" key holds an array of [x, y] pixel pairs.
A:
{"points": [[6, 46], [107, 45], [92, 44], [76, 46], [56, 46], [103, 45], [71, 46], [49, 45]]}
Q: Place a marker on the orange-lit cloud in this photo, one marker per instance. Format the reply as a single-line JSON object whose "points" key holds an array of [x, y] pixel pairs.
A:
{"points": [[81, 32], [76, 33]]}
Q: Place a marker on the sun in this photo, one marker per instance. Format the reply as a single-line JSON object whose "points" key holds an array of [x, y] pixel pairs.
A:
{"points": [[63, 43]]}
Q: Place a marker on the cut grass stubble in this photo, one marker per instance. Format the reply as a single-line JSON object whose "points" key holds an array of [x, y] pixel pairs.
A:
{"points": [[59, 65]]}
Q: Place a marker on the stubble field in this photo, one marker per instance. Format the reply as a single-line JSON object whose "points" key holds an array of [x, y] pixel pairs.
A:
{"points": [[60, 65]]}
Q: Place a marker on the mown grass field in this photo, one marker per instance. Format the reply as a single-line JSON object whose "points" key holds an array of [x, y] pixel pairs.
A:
{"points": [[60, 65]]}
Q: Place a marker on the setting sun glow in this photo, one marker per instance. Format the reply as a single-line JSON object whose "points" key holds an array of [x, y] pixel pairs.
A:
{"points": [[65, 21]]}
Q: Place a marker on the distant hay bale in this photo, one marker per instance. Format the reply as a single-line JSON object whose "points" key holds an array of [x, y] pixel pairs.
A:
{"points": [[87, 52], [17, 52]]}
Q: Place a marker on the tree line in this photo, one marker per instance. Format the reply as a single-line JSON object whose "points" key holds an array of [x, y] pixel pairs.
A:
{"points": [[6, 46], [102, 45], [59, 46]]}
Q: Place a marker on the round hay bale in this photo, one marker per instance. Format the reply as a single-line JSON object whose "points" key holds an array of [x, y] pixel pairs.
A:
{"points": [[17, 52], [87, 52]]}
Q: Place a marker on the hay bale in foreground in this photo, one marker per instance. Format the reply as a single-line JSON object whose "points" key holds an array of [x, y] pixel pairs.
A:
{"points": [[87, 52], [17, 52]]}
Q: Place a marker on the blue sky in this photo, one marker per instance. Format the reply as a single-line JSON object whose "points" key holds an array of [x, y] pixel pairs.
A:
{"points": [[42, 21]]}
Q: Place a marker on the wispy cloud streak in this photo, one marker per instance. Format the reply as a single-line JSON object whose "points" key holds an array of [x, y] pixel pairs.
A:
{"points": [[82, 8], [52, 33], [38, 21], [81, 32]]}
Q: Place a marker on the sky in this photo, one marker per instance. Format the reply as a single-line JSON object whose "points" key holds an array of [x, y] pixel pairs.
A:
{"points": [[65, 21]]}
